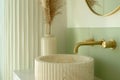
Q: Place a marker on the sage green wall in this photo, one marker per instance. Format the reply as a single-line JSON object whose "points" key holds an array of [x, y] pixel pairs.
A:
{"points": [[107, 61], [82, 24]]}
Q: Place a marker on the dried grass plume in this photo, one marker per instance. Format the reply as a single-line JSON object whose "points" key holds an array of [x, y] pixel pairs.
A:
{"points": [[51, 9]]}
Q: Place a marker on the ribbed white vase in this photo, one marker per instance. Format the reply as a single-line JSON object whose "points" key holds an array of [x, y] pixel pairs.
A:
{"points": [[48, 45]]}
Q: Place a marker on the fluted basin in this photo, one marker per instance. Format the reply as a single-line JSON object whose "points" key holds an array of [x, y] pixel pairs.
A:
{"points": [[64, 67]]}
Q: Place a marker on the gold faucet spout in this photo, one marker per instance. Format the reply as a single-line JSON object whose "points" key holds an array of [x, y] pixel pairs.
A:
{"points": [[86, 43]]}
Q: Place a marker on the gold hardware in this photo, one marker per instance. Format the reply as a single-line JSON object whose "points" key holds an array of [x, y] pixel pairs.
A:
{"points": [[91, 42], [109, 44], [87, 42]]}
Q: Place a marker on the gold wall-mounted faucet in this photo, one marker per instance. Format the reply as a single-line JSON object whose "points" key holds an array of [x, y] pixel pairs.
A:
{"points": [[91, 42]]}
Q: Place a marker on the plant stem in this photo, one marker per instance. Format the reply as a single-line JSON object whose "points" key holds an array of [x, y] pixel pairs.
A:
{"points": [[48, 29]]}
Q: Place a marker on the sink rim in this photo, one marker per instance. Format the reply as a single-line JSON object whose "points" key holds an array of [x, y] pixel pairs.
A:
{"points": [[74, 58]]}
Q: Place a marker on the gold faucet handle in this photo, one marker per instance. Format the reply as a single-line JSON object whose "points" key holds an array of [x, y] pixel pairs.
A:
{"points": [[109, 44]]}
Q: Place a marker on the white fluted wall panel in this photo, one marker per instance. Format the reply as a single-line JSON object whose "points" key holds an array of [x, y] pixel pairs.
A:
{"points": [[22, 35]]}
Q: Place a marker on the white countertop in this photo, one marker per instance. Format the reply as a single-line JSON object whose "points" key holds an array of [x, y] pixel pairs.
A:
{"points": [[23, 75]]}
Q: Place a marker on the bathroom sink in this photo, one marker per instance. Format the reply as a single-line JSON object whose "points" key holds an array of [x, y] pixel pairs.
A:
{"points": [[64, 67]]}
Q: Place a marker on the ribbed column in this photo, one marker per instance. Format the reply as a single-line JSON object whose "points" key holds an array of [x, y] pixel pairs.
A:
{"points": [[22, 35]]}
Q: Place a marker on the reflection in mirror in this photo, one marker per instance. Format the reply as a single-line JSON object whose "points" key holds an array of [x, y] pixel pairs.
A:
{"points": [[103, 7]]}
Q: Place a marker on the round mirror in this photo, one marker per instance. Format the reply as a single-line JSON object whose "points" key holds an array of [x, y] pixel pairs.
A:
{"points": [[103, 7]]}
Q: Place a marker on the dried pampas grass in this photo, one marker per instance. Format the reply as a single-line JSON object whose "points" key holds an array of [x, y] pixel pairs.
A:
{"points": [[51, 9]]}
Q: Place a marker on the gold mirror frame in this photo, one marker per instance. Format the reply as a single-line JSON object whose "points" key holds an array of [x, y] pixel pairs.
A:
{"points": [[93, 2]]}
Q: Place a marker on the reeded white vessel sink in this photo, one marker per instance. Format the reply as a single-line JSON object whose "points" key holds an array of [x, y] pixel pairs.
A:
{"points": [[64, 67]]}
